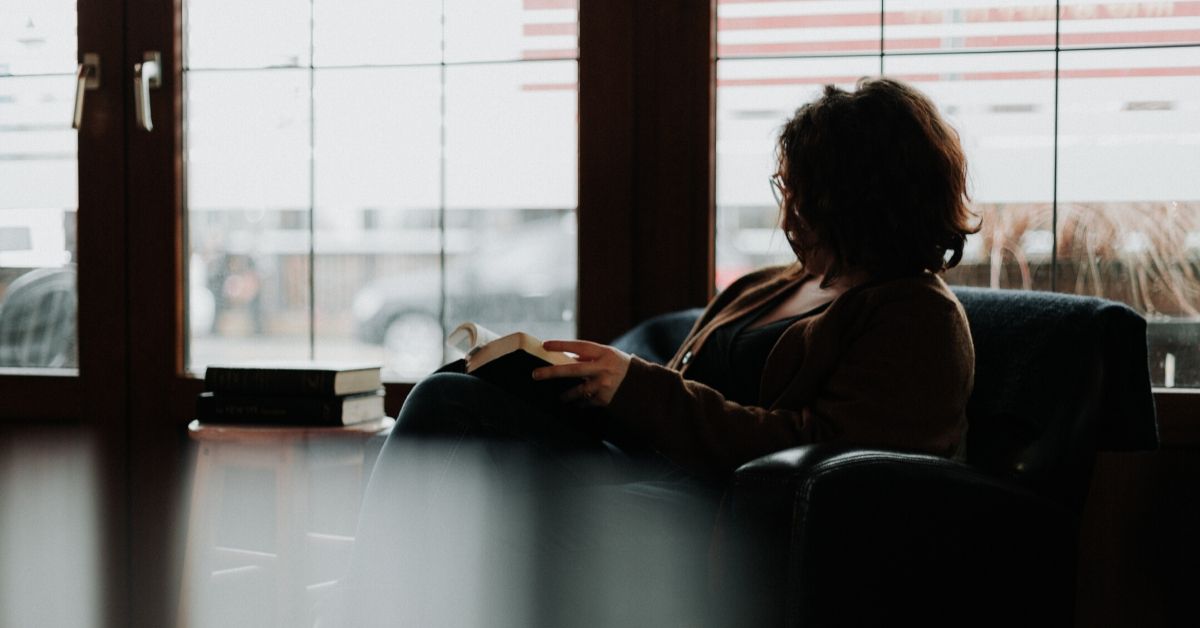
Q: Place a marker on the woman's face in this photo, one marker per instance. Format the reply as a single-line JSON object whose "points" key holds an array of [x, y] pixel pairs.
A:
{"points": [[800, 237]]}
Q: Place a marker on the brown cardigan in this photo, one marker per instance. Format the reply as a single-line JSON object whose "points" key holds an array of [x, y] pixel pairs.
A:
{"points": [[887, 364]]}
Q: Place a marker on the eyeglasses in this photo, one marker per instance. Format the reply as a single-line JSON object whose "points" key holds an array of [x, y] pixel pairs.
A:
{"points": [[777, 188]]}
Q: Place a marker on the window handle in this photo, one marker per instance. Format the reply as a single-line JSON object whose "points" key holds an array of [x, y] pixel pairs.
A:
{"points": [[147, 75], [87, 78]]}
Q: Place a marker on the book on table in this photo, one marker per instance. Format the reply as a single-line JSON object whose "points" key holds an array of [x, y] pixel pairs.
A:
{"points": [[289, 410], [293, 378], [291, 393], [508, 362]]}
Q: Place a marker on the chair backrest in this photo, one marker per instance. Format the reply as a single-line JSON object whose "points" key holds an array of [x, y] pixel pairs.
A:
{"points": [[1056, 378], [38, 320], [656, 339]]}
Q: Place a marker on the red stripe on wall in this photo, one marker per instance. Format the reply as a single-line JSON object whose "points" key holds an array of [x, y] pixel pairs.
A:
{"points": [[549, 87], [1132, 37], [751, 1], [933, 77], [797, 47], [560, 53], [1112, 11], [550, 29], [786, 80], [538, 5], [1045, 40], [797, 21], [1130, 72], [1108, 11], [1084, 39]]}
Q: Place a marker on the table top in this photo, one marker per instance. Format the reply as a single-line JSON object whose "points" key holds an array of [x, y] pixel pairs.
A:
{"points": [[276, 433]]}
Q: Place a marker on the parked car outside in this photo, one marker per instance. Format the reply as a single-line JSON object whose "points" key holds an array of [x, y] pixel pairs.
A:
{"points": [[520, 280]]}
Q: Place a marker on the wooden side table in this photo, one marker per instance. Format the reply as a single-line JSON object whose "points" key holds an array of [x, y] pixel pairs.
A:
{"points": [[272, 520]]}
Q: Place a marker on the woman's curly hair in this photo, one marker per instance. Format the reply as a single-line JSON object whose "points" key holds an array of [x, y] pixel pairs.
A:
{"points": [[876, 180]]}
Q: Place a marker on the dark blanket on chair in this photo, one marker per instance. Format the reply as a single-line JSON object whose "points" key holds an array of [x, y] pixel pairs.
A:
{"points": [[656, 339], [1026, 344]]}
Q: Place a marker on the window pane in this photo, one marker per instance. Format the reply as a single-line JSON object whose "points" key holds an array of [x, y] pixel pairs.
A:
{"points": [[405, 174], [376, 32], [38, 187], [507, 30], [754, 99], [746, 28], [248, 214], [1003, 108], [1129, 213], [247, 34], [377, 140], [377, 243], [37, 144], [1102, 23], [918, 25], [248, 139], [511, 139], [37, 37]]}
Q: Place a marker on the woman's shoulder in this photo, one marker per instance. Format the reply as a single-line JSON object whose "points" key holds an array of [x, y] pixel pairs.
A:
{"points": [[914, 297], [767, 275], [923, 288]]}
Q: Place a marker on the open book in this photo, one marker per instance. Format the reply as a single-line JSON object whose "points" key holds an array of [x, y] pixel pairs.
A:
{"points": [[507, 361]]}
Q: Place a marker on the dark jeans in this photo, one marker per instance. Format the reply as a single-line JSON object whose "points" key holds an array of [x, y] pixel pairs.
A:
{"points": [[485, 510]]}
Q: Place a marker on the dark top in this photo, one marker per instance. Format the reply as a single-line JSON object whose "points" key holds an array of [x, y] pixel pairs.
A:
{"points": [[734, 356]]}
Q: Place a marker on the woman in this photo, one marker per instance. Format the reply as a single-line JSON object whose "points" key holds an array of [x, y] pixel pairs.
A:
{"points": [[858, 342]]}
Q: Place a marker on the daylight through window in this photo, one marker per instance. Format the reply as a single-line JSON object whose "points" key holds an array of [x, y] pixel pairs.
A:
{"points": [[362, 176], [1081, 122]]}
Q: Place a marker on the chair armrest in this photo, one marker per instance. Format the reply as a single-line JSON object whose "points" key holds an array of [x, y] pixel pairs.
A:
{"points": [[836, 535]]}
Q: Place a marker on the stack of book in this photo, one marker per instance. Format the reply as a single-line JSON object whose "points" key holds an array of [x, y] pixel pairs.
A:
{"points": [[306, 394]]}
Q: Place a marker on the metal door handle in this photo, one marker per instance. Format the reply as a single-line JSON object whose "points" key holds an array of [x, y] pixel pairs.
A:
{"points": [[147, 75], [87, 77]]}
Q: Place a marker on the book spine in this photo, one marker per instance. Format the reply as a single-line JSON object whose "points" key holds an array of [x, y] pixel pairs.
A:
{"points": [[271, 382], [289, 411]]}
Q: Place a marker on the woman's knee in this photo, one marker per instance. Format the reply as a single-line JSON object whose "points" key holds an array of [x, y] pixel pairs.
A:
{"points": [[440, 385], [445, 402], [440, 389]]}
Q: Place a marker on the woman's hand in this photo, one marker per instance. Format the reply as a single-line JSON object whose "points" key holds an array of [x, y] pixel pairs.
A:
{"points": [[602, 368]]}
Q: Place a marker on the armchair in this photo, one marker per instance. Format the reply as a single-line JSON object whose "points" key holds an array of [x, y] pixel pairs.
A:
{"points": [[837, 536]]}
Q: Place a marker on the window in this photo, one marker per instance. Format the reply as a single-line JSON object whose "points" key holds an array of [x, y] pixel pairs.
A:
{"points": [[38, 185], [361, 176], [1081, 152]]}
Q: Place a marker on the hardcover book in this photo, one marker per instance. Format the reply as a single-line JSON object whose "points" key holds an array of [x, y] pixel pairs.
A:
{"points": [[293, 378], [508, 362], [289, 410]]}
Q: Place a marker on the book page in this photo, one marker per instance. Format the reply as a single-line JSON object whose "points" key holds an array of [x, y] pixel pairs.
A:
{"points": [[468, 337]]}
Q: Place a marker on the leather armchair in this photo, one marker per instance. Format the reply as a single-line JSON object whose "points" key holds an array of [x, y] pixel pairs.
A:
{"points": [[838, 536]]}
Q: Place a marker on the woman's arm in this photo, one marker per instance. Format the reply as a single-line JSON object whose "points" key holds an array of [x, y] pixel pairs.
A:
{"points": [[897, 376]]}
